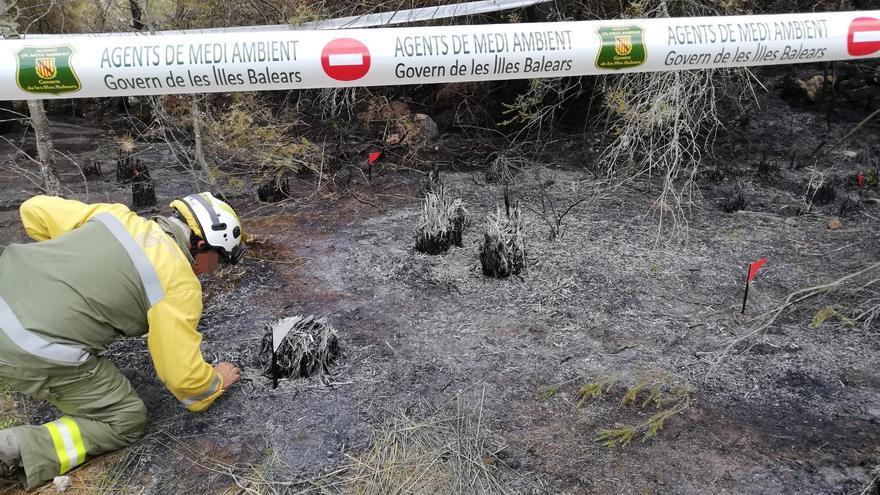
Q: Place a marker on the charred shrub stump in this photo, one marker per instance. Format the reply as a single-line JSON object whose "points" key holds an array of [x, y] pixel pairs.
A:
{"points": [[848, 203], [823, 194], [766, 169], [274, 190], [143, 191], [735, 200], [309, 348], [125, 167], [92, 169], [443, 222], [503, 252]]}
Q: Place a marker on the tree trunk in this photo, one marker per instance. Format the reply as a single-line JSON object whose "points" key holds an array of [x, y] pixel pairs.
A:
{"points": [[140, 18], [45, 148], [199, 151]]}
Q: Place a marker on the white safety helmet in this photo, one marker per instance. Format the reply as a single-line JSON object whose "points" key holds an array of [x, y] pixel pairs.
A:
{"points": [[215, 222]]}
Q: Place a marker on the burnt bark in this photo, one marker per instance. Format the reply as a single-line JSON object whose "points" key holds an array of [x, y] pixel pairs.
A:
{"points": [[137, 22]]}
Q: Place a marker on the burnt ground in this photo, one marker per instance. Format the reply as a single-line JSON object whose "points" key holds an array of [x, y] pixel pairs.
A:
{"points": [[797, 412]]}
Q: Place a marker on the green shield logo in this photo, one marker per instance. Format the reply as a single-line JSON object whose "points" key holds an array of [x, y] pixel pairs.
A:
{"points": [[46, 69], [622, 47]]}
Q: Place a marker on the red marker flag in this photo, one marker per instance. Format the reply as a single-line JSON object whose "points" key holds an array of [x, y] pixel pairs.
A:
{"points": [[373, 157], [753, 271], [861, 179]]}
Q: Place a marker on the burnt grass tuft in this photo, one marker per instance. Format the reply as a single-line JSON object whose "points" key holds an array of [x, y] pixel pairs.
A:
{"points": [[443, 222], [824, 194], [309, 348], [503, 251]]}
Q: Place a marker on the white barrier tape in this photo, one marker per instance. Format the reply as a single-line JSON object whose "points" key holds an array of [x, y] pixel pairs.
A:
{"points": [[422, 14], [361, 21], [129, 66]]}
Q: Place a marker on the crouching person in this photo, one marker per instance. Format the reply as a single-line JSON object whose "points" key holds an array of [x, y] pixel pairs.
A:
{"points": [[97, 273]]}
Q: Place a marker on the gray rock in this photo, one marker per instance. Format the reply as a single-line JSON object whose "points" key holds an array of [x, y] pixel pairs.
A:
{"points": [[427, 126]]}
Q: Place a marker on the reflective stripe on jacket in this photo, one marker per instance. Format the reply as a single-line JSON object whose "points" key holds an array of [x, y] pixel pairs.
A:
{"points": [[167, 302]]}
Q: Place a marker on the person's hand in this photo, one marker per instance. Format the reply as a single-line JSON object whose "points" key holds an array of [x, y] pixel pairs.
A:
{"points": [[229, 373]]}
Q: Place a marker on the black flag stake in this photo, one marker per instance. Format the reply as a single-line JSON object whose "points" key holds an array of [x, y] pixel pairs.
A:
{"points": [[274, 369]]}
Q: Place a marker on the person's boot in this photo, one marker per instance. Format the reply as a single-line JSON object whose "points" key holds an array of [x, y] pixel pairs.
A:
{"points": [[10, 457]]}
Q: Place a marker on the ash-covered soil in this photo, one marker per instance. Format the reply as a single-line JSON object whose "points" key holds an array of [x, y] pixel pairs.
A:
{"points": [[797, 412]]}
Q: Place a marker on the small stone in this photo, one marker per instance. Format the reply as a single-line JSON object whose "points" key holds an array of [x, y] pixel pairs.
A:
{"points": [[62, 483], [393, 139], [833, 224], [426, 125]]}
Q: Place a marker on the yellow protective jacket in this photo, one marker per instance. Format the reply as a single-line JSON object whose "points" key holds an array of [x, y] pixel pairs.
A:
{"points": [[168, 309]]}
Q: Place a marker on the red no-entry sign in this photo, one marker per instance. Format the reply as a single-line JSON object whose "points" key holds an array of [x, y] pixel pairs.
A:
{"points": [[345, 59], [863, 37]]}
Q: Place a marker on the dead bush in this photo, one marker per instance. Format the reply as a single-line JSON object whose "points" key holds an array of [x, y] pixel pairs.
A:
{"points": [[555, 204], [664, 123], [534, 110], [396, 122], [248, 134], [503, 166], [239, 134]]}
